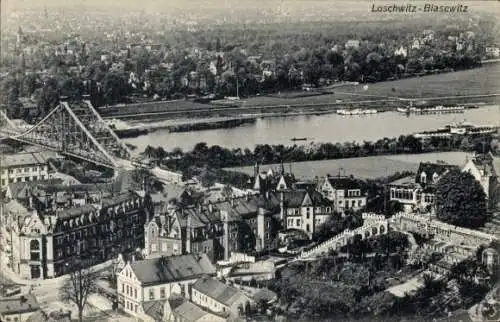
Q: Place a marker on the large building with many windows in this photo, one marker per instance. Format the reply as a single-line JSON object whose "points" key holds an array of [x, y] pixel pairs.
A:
{"points": [[51, 226], [215, 229], [238, 224], [23, 167]]}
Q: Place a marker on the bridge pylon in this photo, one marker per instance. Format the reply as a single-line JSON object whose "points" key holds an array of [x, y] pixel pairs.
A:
{"points": [[75, 129]]}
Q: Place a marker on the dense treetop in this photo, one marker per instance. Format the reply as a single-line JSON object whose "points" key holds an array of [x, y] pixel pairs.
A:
{"points": [[460, 200]]}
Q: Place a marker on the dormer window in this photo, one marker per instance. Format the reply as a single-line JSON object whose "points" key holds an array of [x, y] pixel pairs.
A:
{"points": [[423, 178], [435, 177]]}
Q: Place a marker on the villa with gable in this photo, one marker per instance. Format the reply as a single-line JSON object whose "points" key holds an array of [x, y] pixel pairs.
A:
{"points": [[152, 281], [417, 192]]}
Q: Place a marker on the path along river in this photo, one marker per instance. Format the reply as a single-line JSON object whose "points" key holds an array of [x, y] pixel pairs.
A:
{"points": [[317, 128]]}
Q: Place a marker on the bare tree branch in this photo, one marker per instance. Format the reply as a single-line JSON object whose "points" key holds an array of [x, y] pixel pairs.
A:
{"points": [[78, 287]]}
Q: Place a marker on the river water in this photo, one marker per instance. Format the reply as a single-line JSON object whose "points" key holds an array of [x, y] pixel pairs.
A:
{"points": [[317, 128]]}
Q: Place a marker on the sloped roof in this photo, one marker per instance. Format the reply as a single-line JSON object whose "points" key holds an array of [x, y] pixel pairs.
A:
{"points": [[264, 294], [217, 290], [75, 212], [431, 168], [198, 218], [304, 185], [174, 268], [13, 305], [289, 180], [344, 183], [154, 309], [189, 311], [23, 159], [295, 198], [487, 164], [118, 198], [19, 190], [14, 207], [408, 182], [83, 187]]}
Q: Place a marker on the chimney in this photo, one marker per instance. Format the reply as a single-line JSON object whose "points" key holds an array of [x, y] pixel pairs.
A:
{"points": [[255, 170], [225, 220], [282, 206], [260, 228], [232, 201], [247, 196], [30, 201], [210, 207], [188, 234], [267, 194]]}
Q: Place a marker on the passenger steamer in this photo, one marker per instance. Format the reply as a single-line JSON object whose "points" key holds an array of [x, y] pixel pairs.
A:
{"points": [[461, 128], [431, 110], [356, 111]]}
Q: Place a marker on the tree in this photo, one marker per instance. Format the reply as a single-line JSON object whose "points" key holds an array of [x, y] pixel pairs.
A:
{"points": [[72, 87], [460, 200], [227, 191], [395, 207], [49, 97], [78, 286]]}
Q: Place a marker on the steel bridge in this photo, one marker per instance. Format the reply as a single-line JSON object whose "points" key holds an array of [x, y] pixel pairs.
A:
{"points": [[74, 129]]}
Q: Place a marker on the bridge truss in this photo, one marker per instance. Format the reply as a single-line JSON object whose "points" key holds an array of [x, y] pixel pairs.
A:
{"points": [[75, 129]]}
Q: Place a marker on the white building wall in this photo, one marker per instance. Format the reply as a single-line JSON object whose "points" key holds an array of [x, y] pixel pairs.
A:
{"points": [[24, 173]]}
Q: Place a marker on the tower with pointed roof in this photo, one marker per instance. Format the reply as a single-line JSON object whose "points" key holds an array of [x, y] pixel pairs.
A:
{"points": [[19, 37]]}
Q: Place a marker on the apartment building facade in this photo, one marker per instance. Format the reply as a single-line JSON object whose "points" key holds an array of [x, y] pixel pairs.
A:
{"points": [[43, 234]]}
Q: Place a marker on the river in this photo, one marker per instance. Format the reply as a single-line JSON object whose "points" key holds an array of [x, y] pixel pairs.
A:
{"points": [[317, 128]]}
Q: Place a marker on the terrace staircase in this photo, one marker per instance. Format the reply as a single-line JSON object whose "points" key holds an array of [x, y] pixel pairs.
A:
{"points": [[373, 225]]}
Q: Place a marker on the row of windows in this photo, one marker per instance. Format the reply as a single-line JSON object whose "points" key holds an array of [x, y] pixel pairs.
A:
{"points": [[290, 223], [208, 301], [164, 248], [21, 170], [296, 211], [22, 179], [131, 306], [352, 203], [402, 194], [152, 293], [129, 290], [353, 193], [92, 231]]}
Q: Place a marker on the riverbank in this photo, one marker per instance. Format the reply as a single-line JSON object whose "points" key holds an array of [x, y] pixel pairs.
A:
{"points": [[372, 167], [468, 86], [145, 126], [272, 129], [130, 129]]}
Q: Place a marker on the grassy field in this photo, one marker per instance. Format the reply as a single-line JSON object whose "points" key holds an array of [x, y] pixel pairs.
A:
{"points": [[367, 167], [479, 81]]}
